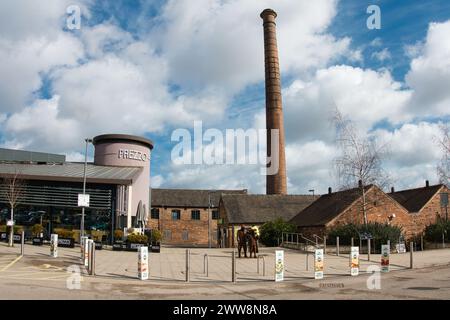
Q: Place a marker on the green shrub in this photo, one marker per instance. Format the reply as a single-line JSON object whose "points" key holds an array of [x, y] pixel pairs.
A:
{"points": [[18, 229], [433, 232], [3, 228], [379, 231], [118, 234], [271, 231], [137, 238], [64, 233], [156, 236], [37, 229]]}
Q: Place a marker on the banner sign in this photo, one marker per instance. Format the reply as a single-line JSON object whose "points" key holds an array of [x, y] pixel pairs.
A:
{"points": [[401, 247], [143, 263], [54, 245], [354, 261], [318, 264], [83, 200], [279, 265], [385, 252]]}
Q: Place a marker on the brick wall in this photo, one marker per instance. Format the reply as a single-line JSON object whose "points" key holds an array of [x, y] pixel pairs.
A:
{"points": [[196, 230]]}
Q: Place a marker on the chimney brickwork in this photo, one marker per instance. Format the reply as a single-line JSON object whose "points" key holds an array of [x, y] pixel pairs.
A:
{"points": [[276, 183]]}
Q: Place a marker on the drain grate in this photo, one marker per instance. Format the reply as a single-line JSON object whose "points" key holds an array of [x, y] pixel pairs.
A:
{"points": [[423, 288]]}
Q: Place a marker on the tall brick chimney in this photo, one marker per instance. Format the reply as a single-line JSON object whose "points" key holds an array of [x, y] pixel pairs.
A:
{"points": [[275, 183]]}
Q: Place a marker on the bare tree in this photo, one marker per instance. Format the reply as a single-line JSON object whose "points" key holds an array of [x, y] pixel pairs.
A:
{"points": [[13, 188], [443, 168], [360, 161]]}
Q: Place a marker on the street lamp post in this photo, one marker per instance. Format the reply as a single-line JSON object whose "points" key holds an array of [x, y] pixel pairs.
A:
{"points": [[84, 186]]}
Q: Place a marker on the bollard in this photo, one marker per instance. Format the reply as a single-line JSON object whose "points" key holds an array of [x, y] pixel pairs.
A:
{"points": [[91, 266], [352, 242], [206, 264], [337, 246], [389, 245], [188, 254], [421, 243], [22, 243], [368, 249], [443, 241], [297, 241], [411, 253], [233, 267], [264, 265], [324, 244], [307, 260]]}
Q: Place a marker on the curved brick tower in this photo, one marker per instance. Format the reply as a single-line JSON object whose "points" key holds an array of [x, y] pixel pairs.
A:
{"points": [[275, 183]]}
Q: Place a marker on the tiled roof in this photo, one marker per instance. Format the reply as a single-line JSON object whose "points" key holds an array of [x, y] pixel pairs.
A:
{"points": [[414, 200]]}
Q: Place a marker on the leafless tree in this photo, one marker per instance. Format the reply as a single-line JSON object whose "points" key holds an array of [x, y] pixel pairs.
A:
{"points": [[13, 187], [443, 167], [360, 161]]}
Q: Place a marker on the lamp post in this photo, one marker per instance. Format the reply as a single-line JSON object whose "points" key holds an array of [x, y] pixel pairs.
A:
{"points": [[209, 218], [84, 186]]}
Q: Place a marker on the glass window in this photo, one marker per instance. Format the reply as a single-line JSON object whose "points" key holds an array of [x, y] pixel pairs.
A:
{"points": [[195, 214], [176, 214], [167, 235], [155, 213], [185, 235], [215, 214]]}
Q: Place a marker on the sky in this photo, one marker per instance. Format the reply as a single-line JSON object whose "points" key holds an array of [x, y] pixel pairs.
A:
{"points": [[149, 67]]}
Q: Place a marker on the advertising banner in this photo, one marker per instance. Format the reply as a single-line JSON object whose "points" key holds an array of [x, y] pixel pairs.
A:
{"points": [[318, 264], [143, 263], [54, 245], [279, 265], [354, 261], [385, 252]]}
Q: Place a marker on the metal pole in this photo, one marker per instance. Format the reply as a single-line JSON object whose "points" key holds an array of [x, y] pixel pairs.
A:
{"points": [[233, 267], [411, 253], [307, 260], [421, 242], [443, 241], [324, 244], [22, 243], [337, 246], [206, 264], [368, 249], [187, 264], [11, 229], [84, 188], [297, 241], [389, 245], [209, 220], [91, 257], [352, 242]]}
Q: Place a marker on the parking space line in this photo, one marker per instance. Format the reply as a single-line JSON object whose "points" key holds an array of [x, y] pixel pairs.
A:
{"points": [[11, 263]]}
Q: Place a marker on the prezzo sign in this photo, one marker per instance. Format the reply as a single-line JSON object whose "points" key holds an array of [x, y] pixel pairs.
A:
{"points": [[132, 155], [385, 258], [318, 264], [354, 261], [143, 263], [279, 265], [54, 245]]}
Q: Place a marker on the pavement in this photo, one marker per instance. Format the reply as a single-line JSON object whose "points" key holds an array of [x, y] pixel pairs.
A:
{"points": [[36, 275]]}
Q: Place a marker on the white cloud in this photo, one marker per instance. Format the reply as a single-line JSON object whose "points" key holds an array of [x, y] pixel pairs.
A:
{"points": [[382, 55]]}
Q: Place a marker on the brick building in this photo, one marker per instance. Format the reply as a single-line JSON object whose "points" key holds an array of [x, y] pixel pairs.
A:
{"points": [[185, 216], [423, 204], [345, 207], [255, 210]]}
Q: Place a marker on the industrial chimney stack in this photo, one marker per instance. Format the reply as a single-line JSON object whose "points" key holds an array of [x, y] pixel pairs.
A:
{"points": [[276, 183]]}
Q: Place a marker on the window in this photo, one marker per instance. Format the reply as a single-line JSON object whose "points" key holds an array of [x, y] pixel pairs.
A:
{"points": [[185, 235], [195, 214], [176, 214], [155, 213], [167, 235], [215, 214]]}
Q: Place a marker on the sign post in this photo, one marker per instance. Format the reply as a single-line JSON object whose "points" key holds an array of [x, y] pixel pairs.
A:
{"points": [[54, 245], [83, 200], [318, 264], [354, 261], [143, 263], [279, 265], [385, 258]]}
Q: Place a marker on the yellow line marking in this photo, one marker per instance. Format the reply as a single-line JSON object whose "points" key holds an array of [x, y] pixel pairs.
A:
{"points": [[11, 263]]}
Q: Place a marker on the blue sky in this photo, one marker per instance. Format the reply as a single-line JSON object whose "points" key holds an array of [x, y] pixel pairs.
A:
{"points": [[150, 67]]}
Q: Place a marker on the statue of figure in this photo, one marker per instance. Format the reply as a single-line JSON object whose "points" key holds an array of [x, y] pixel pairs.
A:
{"points": [[242, 241], [252, 242]]}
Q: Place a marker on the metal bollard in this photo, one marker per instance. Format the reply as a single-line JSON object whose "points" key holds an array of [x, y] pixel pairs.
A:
{"points": [[352, 242], [264, 265], [307, 260], [337, 246], [368, 249], [421, 243], [389, 245], [233, 267], [324, 244], [411, 254], [91, 267], [206, 264], [22, 243], [188, 262]]}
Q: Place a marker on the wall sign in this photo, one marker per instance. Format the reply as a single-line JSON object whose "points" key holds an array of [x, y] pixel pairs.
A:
{"points": [[385, 252], [318, 264], [143, 263], [354, 261], [54, 245], [279, 265], [132, 155], [83, 200]]}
